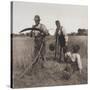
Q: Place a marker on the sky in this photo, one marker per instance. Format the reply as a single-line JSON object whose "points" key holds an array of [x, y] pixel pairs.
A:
{"points": [[71, 17]]}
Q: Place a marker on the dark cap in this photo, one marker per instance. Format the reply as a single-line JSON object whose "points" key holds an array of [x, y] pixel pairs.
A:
{"points": [[37, 17]]}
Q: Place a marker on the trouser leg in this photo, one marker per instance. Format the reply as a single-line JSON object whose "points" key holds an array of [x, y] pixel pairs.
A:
{"points": [[43, 55], [36, 50], [56, 49], [60, 54]]}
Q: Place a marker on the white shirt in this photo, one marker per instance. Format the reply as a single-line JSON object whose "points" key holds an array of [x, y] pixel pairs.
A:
{"points": [[41, 27], [74, 57]]}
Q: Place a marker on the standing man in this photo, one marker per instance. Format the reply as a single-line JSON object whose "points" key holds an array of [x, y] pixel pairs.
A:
{"points": [[39, 41], [61, 40]]}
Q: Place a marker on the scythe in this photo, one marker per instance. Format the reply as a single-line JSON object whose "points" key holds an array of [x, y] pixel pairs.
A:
{"points": [[32, 29], [35, 60]]}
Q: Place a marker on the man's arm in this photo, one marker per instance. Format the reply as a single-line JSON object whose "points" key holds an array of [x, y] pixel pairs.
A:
{"points": [[79, 63], [66, 36]]}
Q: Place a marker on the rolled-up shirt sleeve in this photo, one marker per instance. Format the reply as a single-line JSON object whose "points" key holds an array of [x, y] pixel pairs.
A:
{"points": [[66, 36]]}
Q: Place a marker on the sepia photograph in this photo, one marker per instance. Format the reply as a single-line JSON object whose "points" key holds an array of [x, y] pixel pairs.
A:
{"points": [[49, 44]]}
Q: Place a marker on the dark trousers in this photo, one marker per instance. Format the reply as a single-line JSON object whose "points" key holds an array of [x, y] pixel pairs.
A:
{"points": [[39, 47]]}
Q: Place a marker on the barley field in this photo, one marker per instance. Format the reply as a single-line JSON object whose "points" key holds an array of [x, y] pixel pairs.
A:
{"points": [[51, 74]]}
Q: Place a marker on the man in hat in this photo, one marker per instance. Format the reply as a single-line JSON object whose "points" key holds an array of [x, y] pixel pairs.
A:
{"points": [[39, 41]]}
